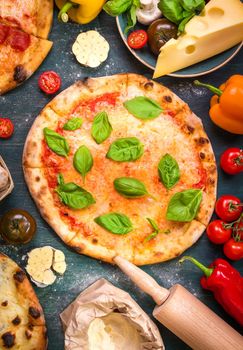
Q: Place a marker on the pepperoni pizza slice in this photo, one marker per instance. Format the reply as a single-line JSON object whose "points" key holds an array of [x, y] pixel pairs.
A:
{"points": [[20, 55], [121, 166]]}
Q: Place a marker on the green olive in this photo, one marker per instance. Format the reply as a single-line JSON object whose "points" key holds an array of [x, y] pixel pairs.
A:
{"points": [[159, 32], [17, 226]]}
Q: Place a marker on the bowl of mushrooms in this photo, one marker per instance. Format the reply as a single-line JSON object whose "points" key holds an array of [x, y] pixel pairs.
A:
{"points": [[6, 181]]}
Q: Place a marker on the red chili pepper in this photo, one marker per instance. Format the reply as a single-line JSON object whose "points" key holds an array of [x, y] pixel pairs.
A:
{"points": [[226, 283]]}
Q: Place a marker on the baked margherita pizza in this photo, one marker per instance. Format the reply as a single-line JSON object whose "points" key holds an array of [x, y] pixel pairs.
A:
{"points": [[21, 316], [120, 165], [24, 27]]}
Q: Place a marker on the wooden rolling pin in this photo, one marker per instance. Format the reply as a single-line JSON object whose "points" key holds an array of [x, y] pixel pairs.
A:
{"points": [[183, 314]]}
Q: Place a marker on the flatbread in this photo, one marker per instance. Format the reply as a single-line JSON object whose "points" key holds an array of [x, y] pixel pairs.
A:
{"points": [[177, 131], [21, 316]]}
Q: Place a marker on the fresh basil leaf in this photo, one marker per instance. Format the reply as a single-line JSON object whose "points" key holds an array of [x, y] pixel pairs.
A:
{"points": [[56, 142], [83, 160], [131, 17], [172, 10], [169, 172], [125, 149], [72, 195], [73, 124], [101, 127], [184, 205], [153, 224], [193, 5], [116, 7], [143, 107], [130, 187], [116, 223]]}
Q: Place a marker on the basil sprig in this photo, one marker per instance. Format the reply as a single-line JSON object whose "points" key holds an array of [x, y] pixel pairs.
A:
{"points": [[83, 160], [73, 124], [130, 187], [184, 206], [56, 142], [101, 127], [181, 11], [125, 149], [169, 172], [72, 195], [143, 107], [116, 223]]}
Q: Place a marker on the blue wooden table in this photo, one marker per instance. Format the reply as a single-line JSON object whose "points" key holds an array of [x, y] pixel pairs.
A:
{"points": [[23, 104]]}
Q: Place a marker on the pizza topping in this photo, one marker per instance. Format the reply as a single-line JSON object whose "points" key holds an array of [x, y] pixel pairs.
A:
{"points": [[143, 107], [169, 171], [83, 160], [116, 223], [20, 74], [8, 340], [6, 128], [91, 48], [17, 226], [49, 82], [101, 127], [4, 30], [56, 142], [42, 262], [72, 195], [184, 206], [34, 312], [18, 40], [16, 321], [19, 276], [125, 149], [130, 187], [155, 228], [73, 124]]}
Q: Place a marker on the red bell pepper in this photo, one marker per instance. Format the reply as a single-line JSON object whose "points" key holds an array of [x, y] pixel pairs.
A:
{"points": [[226, 283]]}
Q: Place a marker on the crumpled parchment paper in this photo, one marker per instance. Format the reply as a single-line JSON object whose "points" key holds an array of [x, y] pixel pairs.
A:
{"points": [[10, 186], [98, 300]]}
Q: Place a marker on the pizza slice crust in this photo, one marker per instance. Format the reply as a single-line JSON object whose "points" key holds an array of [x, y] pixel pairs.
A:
{"points": [[44, 19]]}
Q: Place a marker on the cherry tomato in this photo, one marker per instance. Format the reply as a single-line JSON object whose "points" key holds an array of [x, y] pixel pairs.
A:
{"points": [[49, 82], [228, 208], [6, 128], [231, 161], [137, 39], [217, 233], [233, 249], [17, 226]]}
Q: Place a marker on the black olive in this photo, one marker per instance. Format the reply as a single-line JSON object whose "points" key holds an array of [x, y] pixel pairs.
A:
{"points": [[159, 32]]}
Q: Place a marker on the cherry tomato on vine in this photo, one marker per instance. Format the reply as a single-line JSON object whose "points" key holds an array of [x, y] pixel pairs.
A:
{"points": [[228, 208], [49, 82], [233, 249], [6, 128], [137, 39], [217, 233], [231, 161], [238, 229]]}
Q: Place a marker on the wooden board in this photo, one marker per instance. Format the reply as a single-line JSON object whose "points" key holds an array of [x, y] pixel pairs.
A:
{"points": [[23, 104]]}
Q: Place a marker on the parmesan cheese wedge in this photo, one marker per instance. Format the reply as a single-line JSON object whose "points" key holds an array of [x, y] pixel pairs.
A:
{"points": [[91, 48], [42, 262]]}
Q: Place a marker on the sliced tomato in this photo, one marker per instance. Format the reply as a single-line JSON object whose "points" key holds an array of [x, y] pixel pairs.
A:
{"points": [[6, 128], [49, 82], [137, 39]]}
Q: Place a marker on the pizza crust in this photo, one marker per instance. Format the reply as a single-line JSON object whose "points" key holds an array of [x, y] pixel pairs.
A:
{"points": [[20, 310], [180, 126], [44, 19]]}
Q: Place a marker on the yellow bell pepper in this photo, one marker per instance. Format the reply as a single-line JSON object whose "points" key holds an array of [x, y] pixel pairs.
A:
{"points": [[80, 11]]}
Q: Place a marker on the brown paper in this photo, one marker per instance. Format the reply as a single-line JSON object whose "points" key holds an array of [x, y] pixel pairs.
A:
{"points": [[98, 300], [10, 185]]}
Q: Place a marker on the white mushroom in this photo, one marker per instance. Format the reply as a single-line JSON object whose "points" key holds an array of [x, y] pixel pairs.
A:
{"points": [[148, 11]]}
